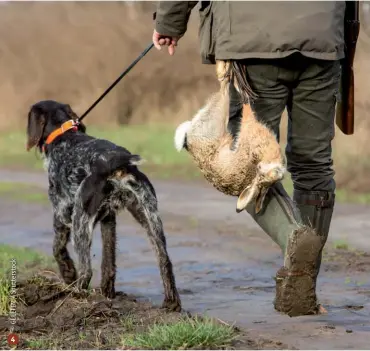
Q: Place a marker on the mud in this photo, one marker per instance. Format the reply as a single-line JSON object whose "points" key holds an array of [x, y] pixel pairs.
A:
{"points": [[51, 315], [224, 264]]}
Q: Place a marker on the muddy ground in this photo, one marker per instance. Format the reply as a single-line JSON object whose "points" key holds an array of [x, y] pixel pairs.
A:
{"points": [[224, 264], [51, 315]]}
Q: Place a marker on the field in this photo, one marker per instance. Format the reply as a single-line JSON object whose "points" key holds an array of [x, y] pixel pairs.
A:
{"points": [[227, 293]]}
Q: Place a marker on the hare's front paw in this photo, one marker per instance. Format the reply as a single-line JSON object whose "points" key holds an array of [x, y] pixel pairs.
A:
{"points": [[222, 70]]}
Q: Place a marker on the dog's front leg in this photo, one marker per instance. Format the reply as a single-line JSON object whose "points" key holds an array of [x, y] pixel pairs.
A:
{"points": [[108, 264], [82, 228]]}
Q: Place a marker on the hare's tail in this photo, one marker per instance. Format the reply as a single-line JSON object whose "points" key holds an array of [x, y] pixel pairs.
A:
{"points": [[180, 135]]}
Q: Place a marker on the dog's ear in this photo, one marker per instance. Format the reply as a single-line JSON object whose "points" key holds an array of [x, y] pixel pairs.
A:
{"points": [[35, 127], [73, 115]]}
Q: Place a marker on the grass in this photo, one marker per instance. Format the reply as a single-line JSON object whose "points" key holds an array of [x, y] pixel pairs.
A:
{"points": [[128, 322], [39, 344], [23, 192], [27, 262], [186, 333], [341, 245], [198, 333], [153, 142]]}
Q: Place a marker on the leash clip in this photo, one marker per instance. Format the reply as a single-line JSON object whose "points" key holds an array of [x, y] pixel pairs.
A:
{"points": [[75, 125]]}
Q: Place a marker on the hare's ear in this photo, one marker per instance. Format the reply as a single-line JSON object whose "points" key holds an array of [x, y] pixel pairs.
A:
{"points": [[260, 200], [246, 196], [35, 127]]}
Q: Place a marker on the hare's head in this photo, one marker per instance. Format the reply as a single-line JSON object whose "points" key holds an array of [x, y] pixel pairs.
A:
{"points": [[267, 175]]}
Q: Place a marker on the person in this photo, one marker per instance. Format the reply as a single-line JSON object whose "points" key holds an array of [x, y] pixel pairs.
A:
{"points": [[290, 53]]}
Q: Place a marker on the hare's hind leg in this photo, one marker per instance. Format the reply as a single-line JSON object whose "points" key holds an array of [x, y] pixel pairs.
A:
{"points": [[223, 72]]}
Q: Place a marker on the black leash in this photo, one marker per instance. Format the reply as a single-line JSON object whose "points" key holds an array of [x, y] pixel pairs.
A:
{"points": [[116, 82]]}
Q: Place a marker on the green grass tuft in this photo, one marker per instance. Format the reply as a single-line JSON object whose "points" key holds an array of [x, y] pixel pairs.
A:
{"points": [[27, 262], [198, 333], [340, 245], [4, 295]]}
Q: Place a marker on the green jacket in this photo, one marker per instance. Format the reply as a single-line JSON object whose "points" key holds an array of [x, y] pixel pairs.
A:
{"points": [[259, 29]]}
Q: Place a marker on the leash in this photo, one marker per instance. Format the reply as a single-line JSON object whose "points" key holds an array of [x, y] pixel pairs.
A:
{"points": [[115, 82], [73, 124]]}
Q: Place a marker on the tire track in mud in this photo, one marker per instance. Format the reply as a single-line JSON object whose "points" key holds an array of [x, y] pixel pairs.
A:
{"points": [[224, 264]]}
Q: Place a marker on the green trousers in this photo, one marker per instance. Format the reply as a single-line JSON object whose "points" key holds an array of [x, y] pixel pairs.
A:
{"points": [[308, 88]]}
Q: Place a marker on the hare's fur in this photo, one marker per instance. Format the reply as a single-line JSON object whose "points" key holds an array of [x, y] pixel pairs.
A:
{"points": [[246, 168]]}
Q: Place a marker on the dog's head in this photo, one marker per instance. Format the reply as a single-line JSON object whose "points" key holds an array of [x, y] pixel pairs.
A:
{"points": [[44, 117]]}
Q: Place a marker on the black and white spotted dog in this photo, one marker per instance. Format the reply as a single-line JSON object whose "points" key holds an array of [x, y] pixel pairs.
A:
{"points": [[90, 180]]}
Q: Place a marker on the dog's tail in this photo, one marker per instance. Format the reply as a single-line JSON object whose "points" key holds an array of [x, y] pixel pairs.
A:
{"points": [[120, 161], [180, 135], [94, 185]]}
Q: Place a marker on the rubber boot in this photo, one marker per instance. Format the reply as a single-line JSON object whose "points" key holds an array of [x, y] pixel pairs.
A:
{"points": [[301, 246], [316, 208]]}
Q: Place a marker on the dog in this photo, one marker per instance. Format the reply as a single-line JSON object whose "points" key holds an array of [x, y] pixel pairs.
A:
{"points": [[90, 181]]}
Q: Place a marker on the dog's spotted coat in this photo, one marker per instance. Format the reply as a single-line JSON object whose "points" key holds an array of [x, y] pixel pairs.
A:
{"points": [[90, 180]]}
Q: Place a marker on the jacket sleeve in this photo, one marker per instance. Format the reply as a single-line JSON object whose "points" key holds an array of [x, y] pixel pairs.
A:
{"points": [[172, 17]]}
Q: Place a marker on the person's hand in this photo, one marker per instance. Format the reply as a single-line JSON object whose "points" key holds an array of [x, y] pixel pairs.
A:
{"points": [[160, 40]]}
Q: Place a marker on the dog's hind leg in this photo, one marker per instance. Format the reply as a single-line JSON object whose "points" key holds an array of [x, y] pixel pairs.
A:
{"points": [[144, 209], [61, 255], [82, 228], [108, 265]]}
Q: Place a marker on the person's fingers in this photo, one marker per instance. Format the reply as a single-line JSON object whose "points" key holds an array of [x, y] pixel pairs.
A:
{"points": [[156, 41], [159, 41], [165, 41], [171, 49]]}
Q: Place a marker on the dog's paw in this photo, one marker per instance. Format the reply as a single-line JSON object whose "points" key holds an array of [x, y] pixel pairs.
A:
{"points": [[172, 305], [83, 280], [68, 272], [108, 291]]}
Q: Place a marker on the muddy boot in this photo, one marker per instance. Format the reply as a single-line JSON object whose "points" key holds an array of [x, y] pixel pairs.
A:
{"points": [[301, 246], [316, 208]]}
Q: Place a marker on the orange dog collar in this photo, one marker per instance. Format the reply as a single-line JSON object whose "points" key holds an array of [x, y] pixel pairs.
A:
{"points": [[71, 124]]}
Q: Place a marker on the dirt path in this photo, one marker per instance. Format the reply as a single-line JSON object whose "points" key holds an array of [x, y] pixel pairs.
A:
{"points": [[224, 263]]}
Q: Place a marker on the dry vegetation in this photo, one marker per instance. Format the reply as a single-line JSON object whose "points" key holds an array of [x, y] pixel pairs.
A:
{"points": [[72, 51]]}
